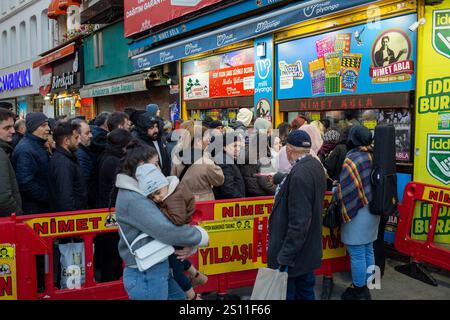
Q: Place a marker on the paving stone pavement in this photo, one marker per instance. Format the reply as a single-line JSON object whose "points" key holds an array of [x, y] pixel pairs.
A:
{"points": [[394, 286]]}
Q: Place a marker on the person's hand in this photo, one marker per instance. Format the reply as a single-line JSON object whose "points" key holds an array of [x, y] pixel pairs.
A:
{"points": [[185, 253]]}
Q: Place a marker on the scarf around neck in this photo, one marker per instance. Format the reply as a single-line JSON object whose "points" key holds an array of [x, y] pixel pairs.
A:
{"points": [[355, 189]]}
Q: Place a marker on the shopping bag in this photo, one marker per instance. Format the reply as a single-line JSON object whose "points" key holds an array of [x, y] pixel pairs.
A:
{"points": [[270, 284], [72, 265]]}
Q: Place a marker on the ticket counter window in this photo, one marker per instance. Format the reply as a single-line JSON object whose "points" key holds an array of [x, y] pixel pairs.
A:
{"points": [[399, 118], [224, 115]]}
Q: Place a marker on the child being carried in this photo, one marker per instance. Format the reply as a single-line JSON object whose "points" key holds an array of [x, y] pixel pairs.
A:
{"points": [[177, 203]]}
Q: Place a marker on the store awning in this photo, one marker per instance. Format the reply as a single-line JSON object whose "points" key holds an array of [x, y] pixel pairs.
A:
{"points": [[129, 84], [243, 30], [59, 54], [54, 11], [64, 4]]}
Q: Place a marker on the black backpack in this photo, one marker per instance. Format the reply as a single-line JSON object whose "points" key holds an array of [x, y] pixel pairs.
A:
{"points": [[384, 175]]}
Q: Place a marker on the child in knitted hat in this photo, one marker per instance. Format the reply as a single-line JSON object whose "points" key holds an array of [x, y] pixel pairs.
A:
{"points": [[177, 203]]}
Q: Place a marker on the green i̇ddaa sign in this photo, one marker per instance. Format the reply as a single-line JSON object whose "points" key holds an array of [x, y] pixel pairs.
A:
{"points": [[441, 32], [438, 157]]}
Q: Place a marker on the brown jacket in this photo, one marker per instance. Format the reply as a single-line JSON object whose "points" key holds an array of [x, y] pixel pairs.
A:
{"points": [[201, 177], [179, 207]]}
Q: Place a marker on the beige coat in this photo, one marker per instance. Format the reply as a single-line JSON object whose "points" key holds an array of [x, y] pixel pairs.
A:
{"points": [[200, 178]]}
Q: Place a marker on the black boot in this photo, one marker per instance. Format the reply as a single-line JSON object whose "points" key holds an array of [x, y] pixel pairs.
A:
{"points": [[356, 293], [327, 288]]}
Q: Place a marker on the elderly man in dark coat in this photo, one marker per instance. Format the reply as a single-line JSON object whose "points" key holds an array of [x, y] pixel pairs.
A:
{"points": [[30, 160], [295, 224]]}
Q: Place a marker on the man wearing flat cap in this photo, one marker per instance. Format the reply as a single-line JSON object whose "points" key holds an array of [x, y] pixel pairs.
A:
{"points": [[295, 224], [31, 160]]}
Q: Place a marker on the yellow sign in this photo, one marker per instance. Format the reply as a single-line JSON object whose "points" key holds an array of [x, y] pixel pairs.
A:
{"points": [[233, 244], [72, 224], [243, 209], [432, 141], [421, 223], [8, 283]]}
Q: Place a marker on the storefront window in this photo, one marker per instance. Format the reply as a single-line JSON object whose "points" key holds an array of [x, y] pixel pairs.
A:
{"points": [[66, 106], [218, 86], [399, 118]]}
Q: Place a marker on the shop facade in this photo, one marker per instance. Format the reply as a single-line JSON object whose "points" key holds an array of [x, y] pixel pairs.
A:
{"points": [[110, 81], [19, 86], [61, 78]]}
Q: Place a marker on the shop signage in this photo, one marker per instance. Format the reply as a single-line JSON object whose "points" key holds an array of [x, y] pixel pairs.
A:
{"points": [[141, 15], [61, 53], [438, 162], [220, 103], [263, 96], [422, 215], [356, 60], [15, 80], [391, 100], [432, 138], [113, 89], [63, 81], [441, 32], [241, 7], [288, 15], [45, 79]]}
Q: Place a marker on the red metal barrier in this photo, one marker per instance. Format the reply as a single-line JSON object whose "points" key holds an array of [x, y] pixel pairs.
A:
{"points": [[422, 248], [238, 246]]}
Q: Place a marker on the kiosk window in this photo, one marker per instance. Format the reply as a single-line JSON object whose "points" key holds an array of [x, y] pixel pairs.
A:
{"points": [[399, 118]]}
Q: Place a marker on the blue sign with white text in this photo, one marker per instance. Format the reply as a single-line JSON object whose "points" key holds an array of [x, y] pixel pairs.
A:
{"points": [[251, 28], [263, 96], [375, 57]]}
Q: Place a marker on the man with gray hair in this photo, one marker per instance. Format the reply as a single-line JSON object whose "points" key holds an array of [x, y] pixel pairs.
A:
{"points": [[20, 129], [295, 224]]}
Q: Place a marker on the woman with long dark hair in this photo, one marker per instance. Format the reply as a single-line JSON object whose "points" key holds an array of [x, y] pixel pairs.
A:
{"points": [[137, 214]]}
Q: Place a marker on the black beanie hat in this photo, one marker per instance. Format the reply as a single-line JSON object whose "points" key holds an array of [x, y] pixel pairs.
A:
{"points": [[360, 136], [146, 121], [34, 120]]}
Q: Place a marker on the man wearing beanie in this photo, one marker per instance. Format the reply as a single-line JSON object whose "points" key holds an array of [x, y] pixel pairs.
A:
{"points": [[148, 132], [295, 226], [30, 160]]}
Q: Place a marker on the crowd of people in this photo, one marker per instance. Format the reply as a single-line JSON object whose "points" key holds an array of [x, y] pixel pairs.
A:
{"points": [[152, 173]]}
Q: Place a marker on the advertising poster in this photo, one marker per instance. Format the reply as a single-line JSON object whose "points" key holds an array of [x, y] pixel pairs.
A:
{"points": [[401, 120], [235, 245], [141, 15], [8, 285], [432, 138], [228, 75], [357, 60]]}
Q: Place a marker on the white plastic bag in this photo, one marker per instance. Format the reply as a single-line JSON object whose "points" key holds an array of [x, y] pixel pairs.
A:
{"points": [[72, 265], [270, 284]]}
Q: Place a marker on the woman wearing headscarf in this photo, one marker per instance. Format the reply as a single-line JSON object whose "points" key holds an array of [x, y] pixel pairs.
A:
{"points": [[360, 228], [330, 140], [284, 166]]}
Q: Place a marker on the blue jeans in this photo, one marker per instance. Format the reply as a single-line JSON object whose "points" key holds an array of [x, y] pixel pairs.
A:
{"points": [[155, 283], [301, 287], [361, 257]]}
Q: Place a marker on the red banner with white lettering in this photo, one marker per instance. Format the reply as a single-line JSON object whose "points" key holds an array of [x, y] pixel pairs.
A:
{"points": [[141, 15], [405, 66], [234, 81]]}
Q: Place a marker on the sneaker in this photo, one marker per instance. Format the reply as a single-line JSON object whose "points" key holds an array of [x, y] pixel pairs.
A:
{"points": [[356, 293], [198, 279]]}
